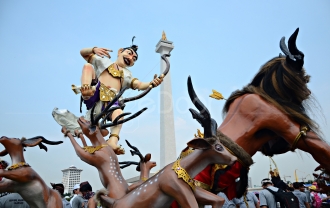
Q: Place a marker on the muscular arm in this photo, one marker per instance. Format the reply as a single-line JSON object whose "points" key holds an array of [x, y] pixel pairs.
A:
{"points": [[137, 84], [86, 53]]}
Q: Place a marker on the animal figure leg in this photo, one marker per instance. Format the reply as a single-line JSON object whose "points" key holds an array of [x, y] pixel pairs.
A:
{"points": [[207, 198], [114, 136], [181, 193]]}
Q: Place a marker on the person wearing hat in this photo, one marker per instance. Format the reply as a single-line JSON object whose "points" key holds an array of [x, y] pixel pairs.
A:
{"points": [[307, 192], [266, 198], [75, 192], [60, 188], [315, 197]]}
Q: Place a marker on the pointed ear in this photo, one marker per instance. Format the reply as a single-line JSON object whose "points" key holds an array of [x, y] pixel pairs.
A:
{"points": [[147, 157], [104, 132], [3, 153], [199, 144], [120, 50], [31, 142]]}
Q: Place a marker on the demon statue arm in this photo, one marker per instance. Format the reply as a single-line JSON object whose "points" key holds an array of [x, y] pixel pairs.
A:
{"points": [[101, 155]]}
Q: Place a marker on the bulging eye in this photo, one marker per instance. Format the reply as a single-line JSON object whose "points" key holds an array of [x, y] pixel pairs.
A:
{"points": [[219, 147]]}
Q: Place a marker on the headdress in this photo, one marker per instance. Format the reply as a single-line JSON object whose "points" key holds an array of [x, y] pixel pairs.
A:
{"points": [[133, 47]]}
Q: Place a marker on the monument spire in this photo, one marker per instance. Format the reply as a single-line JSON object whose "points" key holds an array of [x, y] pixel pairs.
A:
{"points": [[167, 135]]}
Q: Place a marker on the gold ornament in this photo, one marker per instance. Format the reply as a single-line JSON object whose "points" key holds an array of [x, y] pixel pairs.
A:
{"points": [[92, 149], [303, 132], [182, 173], [202, 185], [18, 165], [106, 94], [186, 153], [115, 72], [199, 134], [164, 36], [217, 95]]}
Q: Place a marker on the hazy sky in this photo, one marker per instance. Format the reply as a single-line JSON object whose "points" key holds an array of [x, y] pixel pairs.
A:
{"points": [[220, 44]]}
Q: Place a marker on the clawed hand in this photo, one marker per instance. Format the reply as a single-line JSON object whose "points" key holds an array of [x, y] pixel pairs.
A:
{"points": [[102, 52], [65, 131]]}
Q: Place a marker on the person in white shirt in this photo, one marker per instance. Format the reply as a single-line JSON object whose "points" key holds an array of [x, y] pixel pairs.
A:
{"points": [[75, 191]]}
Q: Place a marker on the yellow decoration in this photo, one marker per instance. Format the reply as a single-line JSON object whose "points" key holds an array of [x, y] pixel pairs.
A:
{"points": [[18, 165], [202, 185], [106, 94], [186, 153], [302, 132], [164, 36], [115, 72], [217, 95], [276, 170], [199, 134], [144, 179], [182, 173], [91, 149]]}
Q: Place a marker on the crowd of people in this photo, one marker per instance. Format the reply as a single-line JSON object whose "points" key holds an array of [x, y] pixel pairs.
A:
{"points": [[306, 197], [82, 197]]}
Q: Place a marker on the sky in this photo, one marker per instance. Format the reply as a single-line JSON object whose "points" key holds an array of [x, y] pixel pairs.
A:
{"points": [[220, 44]]}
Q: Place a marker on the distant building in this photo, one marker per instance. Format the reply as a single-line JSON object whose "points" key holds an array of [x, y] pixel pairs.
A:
{"points": [[71, 176], [249, 182]]}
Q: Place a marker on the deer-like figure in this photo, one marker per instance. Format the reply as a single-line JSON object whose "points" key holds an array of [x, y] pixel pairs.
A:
{"points": [[175, 181], [22, 179], [101, 155], [144, 166]]}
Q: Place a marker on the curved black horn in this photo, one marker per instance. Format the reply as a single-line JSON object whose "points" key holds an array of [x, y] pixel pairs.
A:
{"points": [[116, 122], [294, 57], [47, 141], [125, 164], [204, 116], [298, 55], [136, 151], [284, 48]]}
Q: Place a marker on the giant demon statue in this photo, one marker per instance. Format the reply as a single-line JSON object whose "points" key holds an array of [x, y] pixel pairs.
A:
{"points": [[268, 115]]}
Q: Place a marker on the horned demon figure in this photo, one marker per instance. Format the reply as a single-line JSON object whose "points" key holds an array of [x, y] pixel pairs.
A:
{"points": [[268, 115]]}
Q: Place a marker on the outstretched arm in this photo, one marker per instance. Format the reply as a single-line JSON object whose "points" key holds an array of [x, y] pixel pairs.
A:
{"points": [[87, 53], [137, 84]]}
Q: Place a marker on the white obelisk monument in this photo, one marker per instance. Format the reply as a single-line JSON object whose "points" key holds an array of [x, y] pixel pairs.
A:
{"points": [[167, 135]]}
